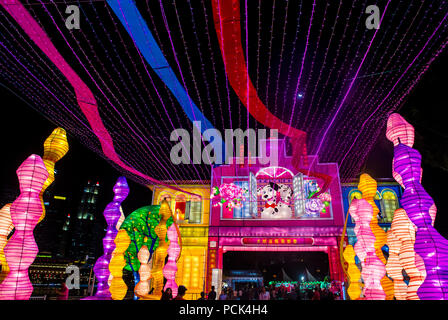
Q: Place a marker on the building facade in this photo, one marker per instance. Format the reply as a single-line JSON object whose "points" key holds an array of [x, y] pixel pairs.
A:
{"points": [[283, 210], [192, 215], [387, 199]]}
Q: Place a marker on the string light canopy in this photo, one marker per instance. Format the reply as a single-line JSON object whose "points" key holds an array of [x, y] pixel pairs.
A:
{"points": [[313, 65]]}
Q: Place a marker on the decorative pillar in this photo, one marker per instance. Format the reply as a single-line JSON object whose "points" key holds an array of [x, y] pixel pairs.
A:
{"points": [[373, 269], [354, 275], [417, 203], [161, 251], [22, 249], [112, 214], [118, 287], [368, 187], [142, 287], [55, 147], [170, 269]]}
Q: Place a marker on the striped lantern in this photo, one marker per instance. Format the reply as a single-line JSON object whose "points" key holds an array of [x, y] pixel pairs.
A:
{"points": [[22, 249], [417, 203]]}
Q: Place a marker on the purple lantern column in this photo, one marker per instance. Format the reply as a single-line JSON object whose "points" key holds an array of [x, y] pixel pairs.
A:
{"points": [[112, 214], [429, 244]]}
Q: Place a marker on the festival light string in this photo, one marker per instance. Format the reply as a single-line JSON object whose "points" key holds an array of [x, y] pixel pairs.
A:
{"points": [[202, 61], [154, 63], [303, 62], [290, 66], [310, 75], [225, 72], [282, 47], [271, 30], [171, 77], [371, 99], [37, 65], [123, 128], [333, 68], [227, 25], [116, 89], [84, 95], [134, 23], [376, 128], [350, 86], [396, 83], [324, 64], [394, 105], [141, 116], [198, 47], [338, 87], [110, 103], [153, 85], [180, 71]]}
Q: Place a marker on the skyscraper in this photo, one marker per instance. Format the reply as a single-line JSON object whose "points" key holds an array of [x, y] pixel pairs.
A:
{"points": [[82, 224]]}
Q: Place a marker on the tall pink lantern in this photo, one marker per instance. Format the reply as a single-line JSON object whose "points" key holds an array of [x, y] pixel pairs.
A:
{"points": [[170, 269], [373, 269], [419, 206], [21, 249]]}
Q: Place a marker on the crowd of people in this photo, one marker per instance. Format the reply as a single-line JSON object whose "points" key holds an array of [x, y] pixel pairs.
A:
{"points": [[260, 293], [278, 293]]}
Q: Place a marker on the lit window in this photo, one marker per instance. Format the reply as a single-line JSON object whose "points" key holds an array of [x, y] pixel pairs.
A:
{"points": [[389, 203]]}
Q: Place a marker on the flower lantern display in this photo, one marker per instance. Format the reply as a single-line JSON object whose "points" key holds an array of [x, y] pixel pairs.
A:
{"points": [[6, 227], [21, 249], [55, 147], [112, 214], [170, 269], [142, 287], [229, 195], [118, 287], [368, 187], [417, 203]]}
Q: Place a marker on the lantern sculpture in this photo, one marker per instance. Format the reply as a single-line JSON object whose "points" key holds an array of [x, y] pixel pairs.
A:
{"points": [[368, 186], [161, 251], [142, 287], [402, 236], [120, 221], [394, 267], [354, 275], [373, 269], [6, 227], [429, 244], [22, 249], [170, 269], [55, 147], [118, 287], [112, 214]]}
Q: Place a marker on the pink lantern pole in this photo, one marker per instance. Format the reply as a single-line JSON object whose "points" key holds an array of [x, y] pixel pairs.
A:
{"points": [[419, 206], [21, 249], [170, 269], [373, 269]]}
